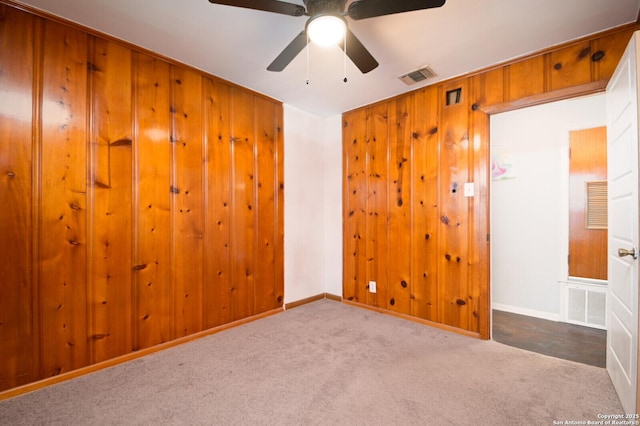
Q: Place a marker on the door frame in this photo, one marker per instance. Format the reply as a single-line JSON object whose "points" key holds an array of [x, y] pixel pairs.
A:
{"points": [[558, 95]]}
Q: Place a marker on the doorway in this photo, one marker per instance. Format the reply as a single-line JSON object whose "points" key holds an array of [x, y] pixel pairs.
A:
{"points": [[530, 209]]}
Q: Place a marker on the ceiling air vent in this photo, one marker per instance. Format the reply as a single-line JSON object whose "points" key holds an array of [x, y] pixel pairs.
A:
{"points": [[417, 76]]}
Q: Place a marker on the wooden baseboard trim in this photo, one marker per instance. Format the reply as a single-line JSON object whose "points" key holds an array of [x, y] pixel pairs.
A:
{"points": [[414, 319], [30, 387], [333, 297], [304, 301]]}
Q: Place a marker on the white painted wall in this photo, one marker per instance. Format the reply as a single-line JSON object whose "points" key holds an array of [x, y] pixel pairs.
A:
{"points": [[313, 205], [333, 204], [529, 213]]}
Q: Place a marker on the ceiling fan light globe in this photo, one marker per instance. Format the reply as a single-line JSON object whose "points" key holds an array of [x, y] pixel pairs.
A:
{"points": [[327, 30]]}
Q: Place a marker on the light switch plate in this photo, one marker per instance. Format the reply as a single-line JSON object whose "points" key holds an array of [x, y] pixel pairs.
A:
{"points": [[469, 189], [372, 286]]}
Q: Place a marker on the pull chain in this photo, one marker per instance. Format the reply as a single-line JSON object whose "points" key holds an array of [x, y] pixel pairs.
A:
{"points": [[308, 48], [344, 70]]}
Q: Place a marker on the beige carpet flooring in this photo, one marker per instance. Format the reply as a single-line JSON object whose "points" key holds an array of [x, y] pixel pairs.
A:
{"points": [[327, 363]]}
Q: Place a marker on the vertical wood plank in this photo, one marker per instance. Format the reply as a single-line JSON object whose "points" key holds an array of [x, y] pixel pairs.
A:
{"points": [[217, 281], [400, 199], [478, 278], [63, 216], [18, 348], [452, 244], [570, 66], [152, 259], [611, 47], [377, 249], [109, 286], [266, 183], [355, 187], [187, 200], [424, 291], [243, 203], [525, 78], [279, 223]]}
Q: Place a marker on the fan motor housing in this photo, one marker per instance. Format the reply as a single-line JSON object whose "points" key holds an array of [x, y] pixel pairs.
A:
{"points": [[315, 7]]}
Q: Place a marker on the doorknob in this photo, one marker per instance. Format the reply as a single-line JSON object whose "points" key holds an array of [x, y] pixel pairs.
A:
{"points": [[624, 252]]}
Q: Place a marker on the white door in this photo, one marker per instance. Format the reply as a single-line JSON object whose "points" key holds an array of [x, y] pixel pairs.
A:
{"points": [[622, 152]]}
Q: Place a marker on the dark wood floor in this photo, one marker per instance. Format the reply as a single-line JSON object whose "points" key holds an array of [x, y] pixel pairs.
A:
{"points": [[558, 339]]}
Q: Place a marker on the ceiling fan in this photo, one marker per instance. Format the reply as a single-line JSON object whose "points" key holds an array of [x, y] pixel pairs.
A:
{"points": [[332, 11]]}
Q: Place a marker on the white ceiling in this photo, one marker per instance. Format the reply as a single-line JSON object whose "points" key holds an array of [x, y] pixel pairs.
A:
{"points": [[237, 44]]}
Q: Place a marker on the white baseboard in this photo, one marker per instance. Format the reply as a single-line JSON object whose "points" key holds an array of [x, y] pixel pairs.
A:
{"points": [[524, 311]]}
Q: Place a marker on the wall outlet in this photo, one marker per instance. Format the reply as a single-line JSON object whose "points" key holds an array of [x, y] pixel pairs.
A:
{"points": [[372, 286]]}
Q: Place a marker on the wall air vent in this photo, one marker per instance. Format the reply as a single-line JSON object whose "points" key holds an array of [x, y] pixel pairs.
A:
{"points": [[418, 75], [586, 304]]}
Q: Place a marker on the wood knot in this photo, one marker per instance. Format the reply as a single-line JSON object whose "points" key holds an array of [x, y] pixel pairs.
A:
{"points": [[403, 283], [597, 56], [584, 52], [557, 66], [460, 302], [122, 142], [92, 67], [99, 336]]}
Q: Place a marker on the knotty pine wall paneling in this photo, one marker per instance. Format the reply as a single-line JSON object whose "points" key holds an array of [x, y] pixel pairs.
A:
{"points": [[62, 238], [355, 221], [218, 226], [437, 240], [606, 52], [19, 157], [143, 199], [377, 233], [425, 172], [453, 257], [109, 284], [152, 204], [529, 70], [400, 199], [242, 204], [570, 66], [485, 88], [269, 250], [187, 149]]}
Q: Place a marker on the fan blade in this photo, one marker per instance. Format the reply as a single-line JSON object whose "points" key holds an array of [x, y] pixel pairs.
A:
{"points": [[289, 53], [359, 54], [265, 5], [364, 9]]}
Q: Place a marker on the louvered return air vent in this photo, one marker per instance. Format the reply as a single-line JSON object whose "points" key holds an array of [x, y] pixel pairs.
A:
{"points": [[417, 76], [586, 304]]}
